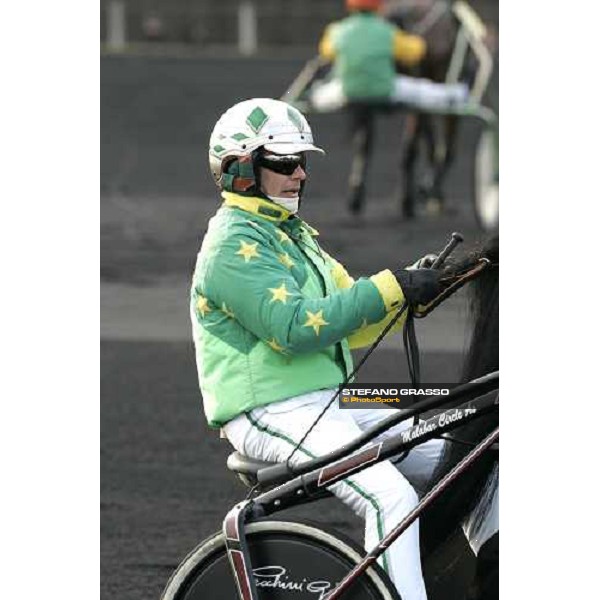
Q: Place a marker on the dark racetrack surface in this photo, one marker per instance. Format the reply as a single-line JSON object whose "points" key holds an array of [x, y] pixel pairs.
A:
{"points": [[164, 483]]}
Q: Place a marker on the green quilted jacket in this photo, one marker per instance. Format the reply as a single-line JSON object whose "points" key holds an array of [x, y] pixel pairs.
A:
{"points": [[273, 315], [364, 47]]}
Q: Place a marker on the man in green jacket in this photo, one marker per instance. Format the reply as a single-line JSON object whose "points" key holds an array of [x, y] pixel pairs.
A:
{"points": [[274, 318], [364, 48]]}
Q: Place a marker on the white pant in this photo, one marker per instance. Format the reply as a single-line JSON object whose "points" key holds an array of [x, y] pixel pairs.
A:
{"points": [[423, 93], [380, 494]]}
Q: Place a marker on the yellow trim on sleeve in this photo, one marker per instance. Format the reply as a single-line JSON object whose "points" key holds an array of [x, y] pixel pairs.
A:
{"points": [[366, 335], [409, 49], [389, 288], [326, 49]]}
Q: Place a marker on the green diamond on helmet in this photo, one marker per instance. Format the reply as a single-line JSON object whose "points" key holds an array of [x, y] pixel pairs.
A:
{"points": [[257, 118], [239, 136], [218, 149], [295, 118]]}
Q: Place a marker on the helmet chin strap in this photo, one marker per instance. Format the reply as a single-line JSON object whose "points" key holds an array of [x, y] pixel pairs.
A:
{"points": [[290, 204]]}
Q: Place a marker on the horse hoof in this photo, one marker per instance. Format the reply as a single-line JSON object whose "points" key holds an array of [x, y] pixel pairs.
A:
{"points": [[355, 199]]}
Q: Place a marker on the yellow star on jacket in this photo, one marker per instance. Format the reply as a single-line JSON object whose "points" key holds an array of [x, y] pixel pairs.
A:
{"points": [[279, 293], [286, 260], [248, 251], [315, 320], [273, 343], [202, 305]]}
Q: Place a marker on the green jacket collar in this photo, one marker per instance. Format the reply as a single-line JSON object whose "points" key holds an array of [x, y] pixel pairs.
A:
{"points": [[257, 206], [267, 210]]}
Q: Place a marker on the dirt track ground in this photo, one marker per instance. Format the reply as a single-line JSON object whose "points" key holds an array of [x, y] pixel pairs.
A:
{"points": [[164, 482]]}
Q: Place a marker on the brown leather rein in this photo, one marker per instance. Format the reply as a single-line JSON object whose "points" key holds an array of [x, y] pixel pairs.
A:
{"points": [[456, 282]]}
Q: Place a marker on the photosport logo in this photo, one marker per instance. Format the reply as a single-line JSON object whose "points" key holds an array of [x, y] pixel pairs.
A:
{"points": [[382, 395]]}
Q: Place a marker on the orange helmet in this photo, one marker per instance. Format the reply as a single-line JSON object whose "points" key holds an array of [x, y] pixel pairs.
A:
{"points": [[363, 4]]}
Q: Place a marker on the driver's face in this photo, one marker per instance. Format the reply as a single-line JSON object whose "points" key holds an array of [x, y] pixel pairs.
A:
{"points": [[282, 186], [281, 176]]}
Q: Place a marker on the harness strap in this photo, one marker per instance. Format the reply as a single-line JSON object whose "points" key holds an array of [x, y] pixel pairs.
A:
{"points": [[411, 348], [411, 345]]}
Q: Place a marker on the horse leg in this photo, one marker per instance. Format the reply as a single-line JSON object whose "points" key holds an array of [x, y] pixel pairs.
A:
{"points": [[408, 166], [485, 585], [444, 154], [436, 151], [362, 122]]}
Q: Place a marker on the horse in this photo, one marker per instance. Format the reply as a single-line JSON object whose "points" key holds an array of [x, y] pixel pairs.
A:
{"points": [[435, 22], [442, 518]]}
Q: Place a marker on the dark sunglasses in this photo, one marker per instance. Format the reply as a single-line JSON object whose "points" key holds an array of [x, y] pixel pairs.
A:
{"points": [[284, 164]]}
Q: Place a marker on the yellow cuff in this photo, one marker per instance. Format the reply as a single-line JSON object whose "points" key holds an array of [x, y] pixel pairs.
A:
{"points": [[389, 288]]}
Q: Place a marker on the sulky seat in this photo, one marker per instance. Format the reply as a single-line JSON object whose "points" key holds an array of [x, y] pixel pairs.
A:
{"points": [[246, 468]]}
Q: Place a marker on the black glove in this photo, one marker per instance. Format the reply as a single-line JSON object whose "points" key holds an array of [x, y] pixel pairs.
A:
{"points": [[419, 286], [424, 263]]}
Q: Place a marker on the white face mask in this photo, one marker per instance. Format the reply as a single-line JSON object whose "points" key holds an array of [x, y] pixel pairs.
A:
{"points": [[290, 204]]}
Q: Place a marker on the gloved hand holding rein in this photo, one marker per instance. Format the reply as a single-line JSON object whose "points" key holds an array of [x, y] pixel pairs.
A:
{"points": [[420, 286]]}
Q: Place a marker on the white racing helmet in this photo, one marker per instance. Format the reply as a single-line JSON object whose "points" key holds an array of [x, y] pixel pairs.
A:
{"points": [[252, 124]]}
